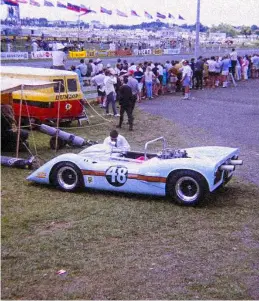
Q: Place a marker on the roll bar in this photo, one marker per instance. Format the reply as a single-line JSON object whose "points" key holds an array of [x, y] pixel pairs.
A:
{"points": [[152, 141]]}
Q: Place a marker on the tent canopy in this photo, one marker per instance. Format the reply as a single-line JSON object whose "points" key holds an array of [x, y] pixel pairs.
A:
{"points": [[9, 85]]}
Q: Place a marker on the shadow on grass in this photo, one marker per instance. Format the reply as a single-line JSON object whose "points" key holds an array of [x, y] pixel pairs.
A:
{"points": [[227, 196]]}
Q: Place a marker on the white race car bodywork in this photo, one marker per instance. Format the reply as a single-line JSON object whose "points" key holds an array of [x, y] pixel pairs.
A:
{"points": [[133, 172]]}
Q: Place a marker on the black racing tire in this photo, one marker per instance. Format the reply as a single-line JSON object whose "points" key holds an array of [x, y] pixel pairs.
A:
{"points": [[60, 143], [67, 177], [186, 187]]}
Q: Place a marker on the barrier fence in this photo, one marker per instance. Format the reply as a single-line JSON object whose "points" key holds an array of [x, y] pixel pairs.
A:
{"points": [[89, 53]]}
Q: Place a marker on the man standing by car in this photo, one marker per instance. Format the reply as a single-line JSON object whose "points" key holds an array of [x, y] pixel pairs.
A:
{"points": [[126, 101], [116, 140]]}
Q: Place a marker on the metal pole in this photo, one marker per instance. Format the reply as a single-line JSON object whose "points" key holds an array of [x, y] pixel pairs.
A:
{"points": [[197, 39], [78, 27]]}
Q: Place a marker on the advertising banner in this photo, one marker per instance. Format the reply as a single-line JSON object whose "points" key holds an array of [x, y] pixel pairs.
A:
{"points": [[123, 52], [77, 54], [111, 53], [157, 51], [102, 53], [14, 55], [144, 52], [90, 53], [41, 55], [172, 51]]}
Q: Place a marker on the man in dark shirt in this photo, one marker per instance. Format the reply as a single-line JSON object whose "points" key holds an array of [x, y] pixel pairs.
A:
{"points": [[125, 101], [198, 72]]}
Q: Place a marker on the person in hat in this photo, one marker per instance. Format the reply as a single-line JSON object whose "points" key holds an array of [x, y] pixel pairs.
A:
{"points": [[117, 140], [59, 57], [99, 65]]}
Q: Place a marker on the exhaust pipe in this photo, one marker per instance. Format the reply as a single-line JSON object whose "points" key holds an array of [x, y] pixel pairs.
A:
{"points": [[227, 167], [236, 162]]}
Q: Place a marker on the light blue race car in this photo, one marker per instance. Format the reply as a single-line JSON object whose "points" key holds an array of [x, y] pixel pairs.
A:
{"points": [[183, 175]]}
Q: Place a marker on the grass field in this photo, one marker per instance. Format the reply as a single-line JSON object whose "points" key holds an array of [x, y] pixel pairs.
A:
{"points": [[117, 246]]}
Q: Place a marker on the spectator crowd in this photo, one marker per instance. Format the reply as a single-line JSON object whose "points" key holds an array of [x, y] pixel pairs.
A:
{"points": [[150, 79]]}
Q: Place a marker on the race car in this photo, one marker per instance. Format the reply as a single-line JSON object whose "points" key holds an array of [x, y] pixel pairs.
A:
{"points": [[185, 175]]}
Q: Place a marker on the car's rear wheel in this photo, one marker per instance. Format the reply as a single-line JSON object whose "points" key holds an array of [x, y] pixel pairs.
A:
{"points": [[67, 176], [186, 187]]}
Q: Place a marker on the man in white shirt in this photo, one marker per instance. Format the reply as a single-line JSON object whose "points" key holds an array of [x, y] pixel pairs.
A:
{"points": [[186, 79], [233, 57], [116, 140], [109, 82], [59, 58], [98, 80]]}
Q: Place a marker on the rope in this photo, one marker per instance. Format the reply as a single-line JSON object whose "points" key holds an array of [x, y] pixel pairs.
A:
{"points": [[31, 131]]}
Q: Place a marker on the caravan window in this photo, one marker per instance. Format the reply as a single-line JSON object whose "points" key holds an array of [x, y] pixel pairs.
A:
{"points": [[71, 84], [56, 87]]}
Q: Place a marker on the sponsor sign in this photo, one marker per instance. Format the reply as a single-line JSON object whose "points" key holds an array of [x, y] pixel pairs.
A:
{"points": [[144, 52], [90, 53], [111, 53], [158, 51], [102, 53], [172, 51], [41, 54], [123, 52], [77, 54], [14, 55]]}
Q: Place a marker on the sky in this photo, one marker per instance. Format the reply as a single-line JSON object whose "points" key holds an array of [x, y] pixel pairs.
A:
{"points": [[213, 12]]}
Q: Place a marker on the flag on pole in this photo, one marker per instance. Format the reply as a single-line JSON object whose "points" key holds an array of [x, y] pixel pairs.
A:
{"points": [[133, 13], [160, 16], [170, 16], [84, 9], [61, 5], [11, 2], [73, 7], [48, 3], [180, 17], [121, 14], [147, 15], [34, 3], [105, 11]]}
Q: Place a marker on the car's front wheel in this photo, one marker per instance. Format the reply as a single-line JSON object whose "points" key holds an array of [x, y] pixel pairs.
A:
{"points": [[186, 187], [67, 176]]}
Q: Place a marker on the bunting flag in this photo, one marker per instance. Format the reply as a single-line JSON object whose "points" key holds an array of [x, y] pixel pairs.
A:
{"points": [[22, 1], [34, 3], [84, 9], [160, 16], [11, 2], [133, 13], [147, 15], [180, 17], [105, 11], [48, 3], [121, 14], [73, 7], [170, 16], [61, 5]]}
